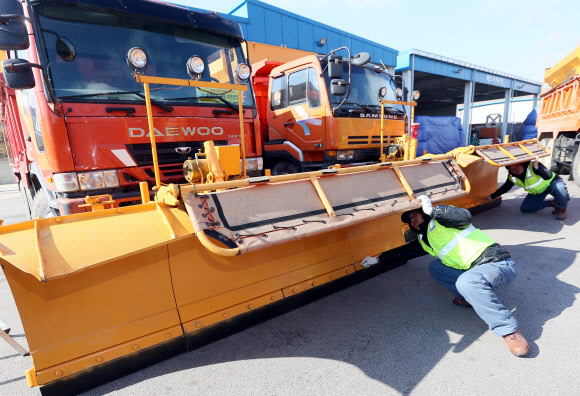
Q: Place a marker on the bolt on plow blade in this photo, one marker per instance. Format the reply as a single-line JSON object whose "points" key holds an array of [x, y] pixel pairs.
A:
{"points": [[104, 293]]}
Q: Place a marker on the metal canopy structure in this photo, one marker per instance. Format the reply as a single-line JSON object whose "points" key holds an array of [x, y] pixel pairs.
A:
{"points": [[445, 82]]}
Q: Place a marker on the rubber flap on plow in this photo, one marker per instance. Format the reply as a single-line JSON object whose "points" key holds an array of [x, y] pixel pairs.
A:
{"points": [[511, 153], [268, 214]]}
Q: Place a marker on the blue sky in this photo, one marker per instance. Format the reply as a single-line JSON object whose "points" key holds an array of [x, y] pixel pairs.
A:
{"points": [[513, 36]]}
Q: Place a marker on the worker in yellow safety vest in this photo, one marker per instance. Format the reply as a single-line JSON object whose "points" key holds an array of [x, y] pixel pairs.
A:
{"points": [[467, 262], [538, 181]]}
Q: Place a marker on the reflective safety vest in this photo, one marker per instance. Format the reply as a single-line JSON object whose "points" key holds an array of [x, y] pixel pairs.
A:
{"points": [[533, 183], [454, 247]]}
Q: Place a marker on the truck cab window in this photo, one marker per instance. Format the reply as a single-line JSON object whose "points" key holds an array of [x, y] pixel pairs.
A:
{"points": [[313, 93], [278, 93], [297, 87]]}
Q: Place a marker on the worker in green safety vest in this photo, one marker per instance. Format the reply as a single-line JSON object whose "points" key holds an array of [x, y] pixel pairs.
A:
{"points": [[538, 181], [467, 262]]}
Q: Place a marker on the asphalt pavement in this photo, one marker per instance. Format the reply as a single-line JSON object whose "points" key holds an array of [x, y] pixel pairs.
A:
{"points": [[395, 334]]}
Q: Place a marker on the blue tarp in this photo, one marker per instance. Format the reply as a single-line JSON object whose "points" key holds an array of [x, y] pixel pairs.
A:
{"points": [[439, 135], [530, 131]]}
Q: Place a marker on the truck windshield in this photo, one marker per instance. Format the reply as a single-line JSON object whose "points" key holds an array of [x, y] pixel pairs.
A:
{"points": [[86, 50], [365, 86]]}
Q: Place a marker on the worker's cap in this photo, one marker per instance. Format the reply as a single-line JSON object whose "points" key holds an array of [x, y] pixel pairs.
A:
{"points": [[406, 217]]}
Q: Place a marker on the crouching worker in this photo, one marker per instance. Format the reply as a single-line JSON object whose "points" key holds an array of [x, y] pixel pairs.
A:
{"points": [[468, 262], [538, 181]]}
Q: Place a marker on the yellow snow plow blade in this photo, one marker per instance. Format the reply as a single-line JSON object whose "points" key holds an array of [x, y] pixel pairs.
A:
{"points": [[512, 153], [107, 292], [481, 164]]}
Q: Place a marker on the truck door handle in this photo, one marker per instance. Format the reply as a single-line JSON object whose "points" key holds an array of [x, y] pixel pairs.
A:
{"points": [[130, 110], [288, 124]]}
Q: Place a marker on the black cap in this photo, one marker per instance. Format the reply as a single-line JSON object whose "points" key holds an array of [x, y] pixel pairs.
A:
{"points": [[405, 217]]}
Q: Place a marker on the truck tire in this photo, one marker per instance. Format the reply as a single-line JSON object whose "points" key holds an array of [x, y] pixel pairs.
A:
{"points": [[576, 168], [40, 207], [548, 143], [284, 168]]}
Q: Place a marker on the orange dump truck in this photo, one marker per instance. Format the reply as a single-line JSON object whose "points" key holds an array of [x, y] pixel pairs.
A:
{"points": [[559, 116], [321, 110]]}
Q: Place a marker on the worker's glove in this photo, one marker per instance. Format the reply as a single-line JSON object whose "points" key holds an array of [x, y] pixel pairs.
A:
{"points": [[426, 203], [368, 261]]}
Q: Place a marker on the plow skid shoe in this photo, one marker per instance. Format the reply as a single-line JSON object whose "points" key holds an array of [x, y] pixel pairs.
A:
{"points": [[104, 293], [511, 153]]}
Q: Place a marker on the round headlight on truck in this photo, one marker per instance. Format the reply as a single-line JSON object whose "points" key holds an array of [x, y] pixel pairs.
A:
{"points": [[195, 66], [243, 72], [382, 92], [399, 93], [137, 58], [416, 95]]}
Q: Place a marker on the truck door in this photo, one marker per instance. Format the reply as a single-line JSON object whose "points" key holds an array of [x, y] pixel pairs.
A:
{"points": [[303, 118]]}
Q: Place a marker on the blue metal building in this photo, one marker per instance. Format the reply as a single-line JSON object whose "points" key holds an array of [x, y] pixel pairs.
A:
{"points": [[267, 24], [444, 82]]}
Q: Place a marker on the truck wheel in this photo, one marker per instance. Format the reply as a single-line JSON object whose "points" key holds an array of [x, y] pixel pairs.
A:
{"points": [[576, 168], [548, 143], [25, 197], [40, 207], [284, 168]]}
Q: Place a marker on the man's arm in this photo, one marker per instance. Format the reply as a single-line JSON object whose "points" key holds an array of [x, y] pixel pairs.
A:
{"points": [[396, 257], [542, 171], [503, 189], [450, 216]]}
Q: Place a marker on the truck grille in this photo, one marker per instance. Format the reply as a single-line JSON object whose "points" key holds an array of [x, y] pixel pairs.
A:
{"points": [[368, 155], [355, 140], [166, 153]]}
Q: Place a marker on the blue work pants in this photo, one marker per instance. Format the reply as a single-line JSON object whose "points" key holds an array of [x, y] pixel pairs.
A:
{"points": [[557, 189], [477, 286]]}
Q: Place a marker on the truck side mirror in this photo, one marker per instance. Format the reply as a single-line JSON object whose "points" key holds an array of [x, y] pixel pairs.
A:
{"points": [[338, 87], [360, 59], [13, 32], [335, 68], [18, 73]]}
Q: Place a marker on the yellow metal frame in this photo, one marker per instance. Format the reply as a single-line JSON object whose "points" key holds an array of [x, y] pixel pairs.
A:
{"points": [[146, 80], [185, 189], [519, 144], [383, 157]]}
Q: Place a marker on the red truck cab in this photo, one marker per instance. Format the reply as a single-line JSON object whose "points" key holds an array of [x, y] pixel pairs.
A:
{"points": [[79, 125]]}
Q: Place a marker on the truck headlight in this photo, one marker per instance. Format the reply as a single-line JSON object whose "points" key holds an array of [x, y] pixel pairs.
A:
{"points": [[137, 58], [66, 182], [243, 72], [195, 66], [98, 179], [346, 155]]}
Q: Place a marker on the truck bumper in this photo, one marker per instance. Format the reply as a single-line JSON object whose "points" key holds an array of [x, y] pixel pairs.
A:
{"points": [[68, 206]]}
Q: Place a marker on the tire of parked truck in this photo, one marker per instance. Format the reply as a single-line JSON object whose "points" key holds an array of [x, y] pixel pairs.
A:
{"points": [[284, 168], [548, 143], [576, 168], [26, 198], [40, 207]]}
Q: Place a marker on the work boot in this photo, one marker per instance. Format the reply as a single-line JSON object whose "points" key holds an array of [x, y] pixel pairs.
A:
{"points": [[517, 343], [553, 204], [560, 213], [461, 302]]}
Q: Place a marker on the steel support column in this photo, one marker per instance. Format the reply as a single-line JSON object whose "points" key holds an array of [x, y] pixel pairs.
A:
{"points": [[467, 103], [408, 84], [535, 100], [509, 93]]}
